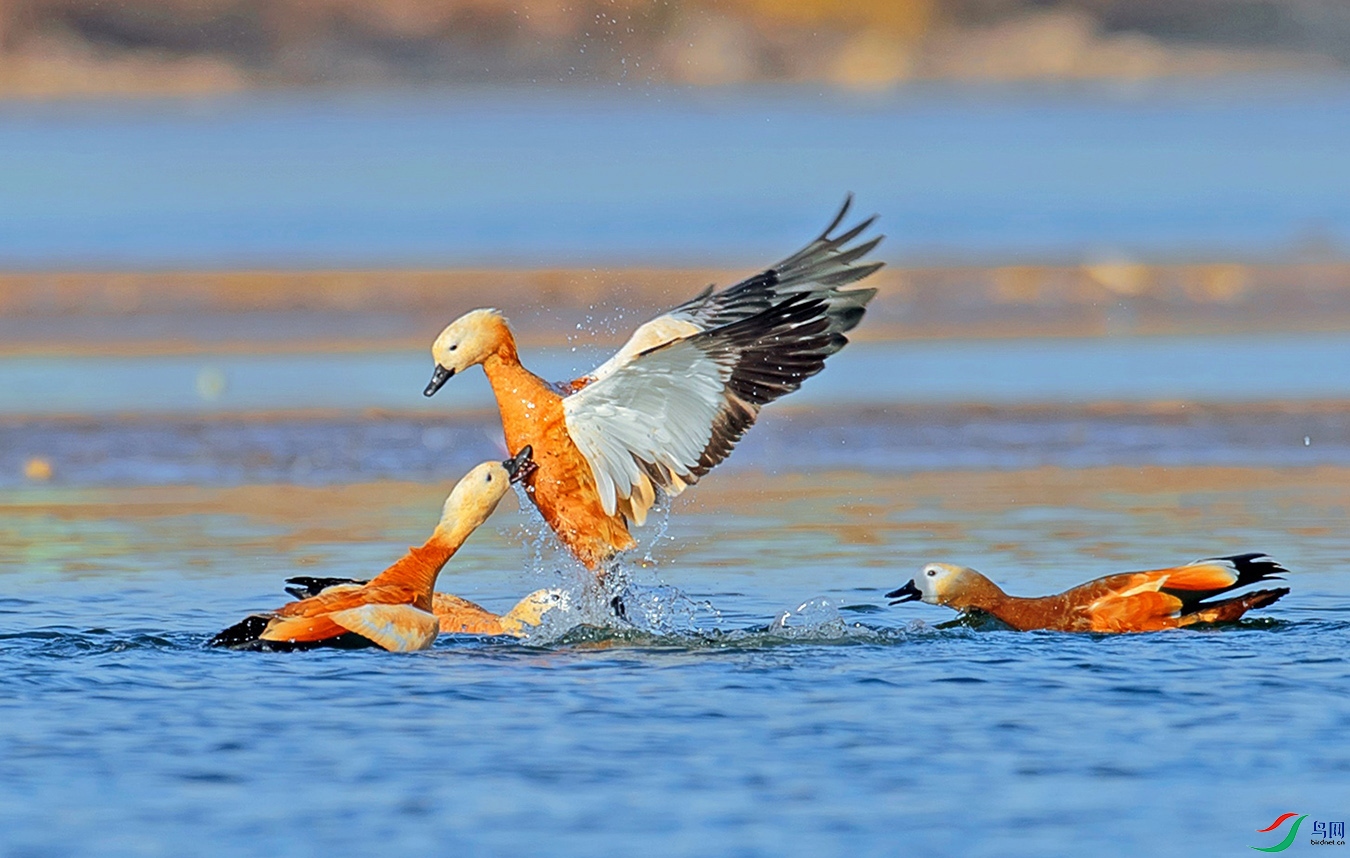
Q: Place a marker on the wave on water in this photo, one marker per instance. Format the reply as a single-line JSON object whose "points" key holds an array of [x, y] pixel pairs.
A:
{"points": [[63, 642]]}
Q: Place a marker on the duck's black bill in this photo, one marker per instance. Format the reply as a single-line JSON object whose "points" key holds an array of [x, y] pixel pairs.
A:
{"points": [[907, 593], [519, 466], [438, 378]]}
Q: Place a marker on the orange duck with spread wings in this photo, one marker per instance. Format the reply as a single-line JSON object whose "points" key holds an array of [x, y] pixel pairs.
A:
{"points": [[675, 399], [1128, 602], [394, 610]]}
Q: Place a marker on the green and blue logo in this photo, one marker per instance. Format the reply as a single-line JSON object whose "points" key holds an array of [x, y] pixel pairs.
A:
{"points": [[1286, 842]]}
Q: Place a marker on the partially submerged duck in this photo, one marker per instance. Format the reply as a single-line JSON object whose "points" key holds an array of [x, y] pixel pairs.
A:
{"points": [[1127, 602], [456, 615], [673, 402], [395, 609]]}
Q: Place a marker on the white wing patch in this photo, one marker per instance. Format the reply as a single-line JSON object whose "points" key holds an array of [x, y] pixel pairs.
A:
{"points": [[397, 628], [658, 408], [659, 331]]}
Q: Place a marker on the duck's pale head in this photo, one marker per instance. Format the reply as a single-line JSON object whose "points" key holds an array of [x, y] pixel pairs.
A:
{"points": [[466, 342], [476, 496], [936, 584], [530, 610]]}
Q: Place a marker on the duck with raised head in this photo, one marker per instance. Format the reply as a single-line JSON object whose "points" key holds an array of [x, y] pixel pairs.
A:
{"points": [[675, 400], [1127, 602], [456, 615], [395, 609]]}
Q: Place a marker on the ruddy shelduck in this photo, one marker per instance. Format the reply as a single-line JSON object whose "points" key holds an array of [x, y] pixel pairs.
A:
{"points": [[673, 402], [395, 609], [1127, 602], [456, 615]]}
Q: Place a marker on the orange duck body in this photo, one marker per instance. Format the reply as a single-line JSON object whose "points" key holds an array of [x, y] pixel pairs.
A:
{"points": [[562, 486], [1128, 602], [460, 616], [395, 610]]}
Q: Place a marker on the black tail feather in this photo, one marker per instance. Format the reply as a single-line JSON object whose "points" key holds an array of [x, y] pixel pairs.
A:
{"points": [[242, 633], [1253, 567], [245, 636]]}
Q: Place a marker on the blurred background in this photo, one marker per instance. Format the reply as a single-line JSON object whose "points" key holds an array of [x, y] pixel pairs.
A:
{"points": [[1111, 334], [66, 47]]}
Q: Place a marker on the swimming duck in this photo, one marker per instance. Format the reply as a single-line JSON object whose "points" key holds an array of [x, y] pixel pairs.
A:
{"points": [[1127, 602], [456, 615], [394, 610], [673, 402]]}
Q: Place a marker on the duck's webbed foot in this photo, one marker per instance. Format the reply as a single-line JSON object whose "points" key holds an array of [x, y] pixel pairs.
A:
{"points": [[613, 582]]}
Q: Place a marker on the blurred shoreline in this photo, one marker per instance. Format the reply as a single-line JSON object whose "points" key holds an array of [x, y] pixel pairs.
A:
{"points": [[59, 49], [267, 312]]}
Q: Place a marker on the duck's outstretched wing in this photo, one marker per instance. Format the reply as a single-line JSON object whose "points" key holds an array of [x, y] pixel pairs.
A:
{"points": [[819, 270], [672, 413]]}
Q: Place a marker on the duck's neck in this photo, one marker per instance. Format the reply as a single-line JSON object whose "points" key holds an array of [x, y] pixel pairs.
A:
{"points": [[522, 396], [419, 568], [979, 593]]}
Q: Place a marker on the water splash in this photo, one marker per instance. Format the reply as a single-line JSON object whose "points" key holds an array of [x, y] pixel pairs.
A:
{"points": [[617, 612], [667, 610], [662, 510], [813, 618], [544, 550]]}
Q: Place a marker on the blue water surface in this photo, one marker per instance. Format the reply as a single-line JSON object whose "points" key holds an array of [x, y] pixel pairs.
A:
{"points": [[768, 701]]}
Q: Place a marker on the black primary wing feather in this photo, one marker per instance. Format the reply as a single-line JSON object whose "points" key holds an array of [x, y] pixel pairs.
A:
{"points": [[818, 269], [769, 355]]}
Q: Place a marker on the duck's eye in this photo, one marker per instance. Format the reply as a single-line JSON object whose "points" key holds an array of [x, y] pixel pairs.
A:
{"points": [[490, 480], [932, 573], [455, 346]]}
